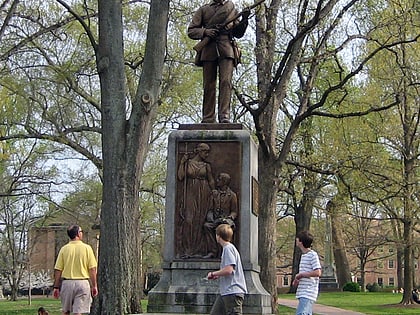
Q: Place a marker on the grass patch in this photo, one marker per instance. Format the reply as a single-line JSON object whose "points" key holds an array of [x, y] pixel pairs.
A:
{"points": [[22, 307], [371, 303], [284, 310]]}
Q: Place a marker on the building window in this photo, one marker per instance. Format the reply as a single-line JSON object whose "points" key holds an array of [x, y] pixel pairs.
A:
{"points": [[391, 249], [416, 264], [380, 264], [381, 249], [391, 264], [391, 281], [285, 281], [381, 281]]}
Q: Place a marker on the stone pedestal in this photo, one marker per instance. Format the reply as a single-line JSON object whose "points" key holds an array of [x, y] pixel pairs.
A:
{"points": [[328, 281], [183, 287]]}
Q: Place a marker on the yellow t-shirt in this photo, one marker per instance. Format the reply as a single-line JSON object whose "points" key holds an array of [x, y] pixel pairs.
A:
{"points": [[75, 259]]}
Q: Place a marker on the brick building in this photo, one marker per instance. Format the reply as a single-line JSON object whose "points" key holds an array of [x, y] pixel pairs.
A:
{"points": [[45, 243]]}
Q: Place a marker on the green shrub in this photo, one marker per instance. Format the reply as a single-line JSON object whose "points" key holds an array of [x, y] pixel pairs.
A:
{"points": [[389, 288], [351, 287], [374, 287]]}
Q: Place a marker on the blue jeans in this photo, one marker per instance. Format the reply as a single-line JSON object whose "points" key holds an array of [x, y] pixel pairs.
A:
{"points": [[304, 306]]}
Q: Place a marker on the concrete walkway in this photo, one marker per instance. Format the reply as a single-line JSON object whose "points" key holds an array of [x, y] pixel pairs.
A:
{"points": [[319, 309]]}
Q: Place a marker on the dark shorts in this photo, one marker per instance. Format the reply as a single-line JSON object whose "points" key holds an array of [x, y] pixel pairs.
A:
{"points": [[227, 305]]}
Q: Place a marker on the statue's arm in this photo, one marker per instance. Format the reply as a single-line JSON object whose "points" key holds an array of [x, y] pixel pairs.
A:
{"points": [[233, 207], [196, 28], [240, 27], [210, 177], [181, 168]]}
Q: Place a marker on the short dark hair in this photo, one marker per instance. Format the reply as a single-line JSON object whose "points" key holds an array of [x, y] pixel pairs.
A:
{"points": [[306, 238], [42, 311], [73, 230], [225, 232]]}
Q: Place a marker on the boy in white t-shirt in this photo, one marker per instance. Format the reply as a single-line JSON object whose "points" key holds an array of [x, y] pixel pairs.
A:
{"points": [[307, 280], [231, 276]]}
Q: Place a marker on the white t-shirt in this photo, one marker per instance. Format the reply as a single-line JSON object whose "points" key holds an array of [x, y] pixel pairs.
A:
{"points": [[308, 287], [234, 283]]}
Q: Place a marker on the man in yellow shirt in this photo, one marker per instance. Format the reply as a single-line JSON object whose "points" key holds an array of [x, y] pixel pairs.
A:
{"points": [[76, 266]]}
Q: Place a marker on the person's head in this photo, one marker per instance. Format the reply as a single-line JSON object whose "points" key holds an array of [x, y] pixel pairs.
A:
{"points": [[223, 179], [42, 311], [305, 238], [203, 150], [202, 147], [74, 231], [225, 232]]}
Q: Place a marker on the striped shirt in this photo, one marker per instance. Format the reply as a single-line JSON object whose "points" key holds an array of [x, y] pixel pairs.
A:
{"points": [[308, 287]]}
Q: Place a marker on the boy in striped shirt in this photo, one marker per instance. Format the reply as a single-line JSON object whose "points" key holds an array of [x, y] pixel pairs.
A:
{"points": [[307, 280]]}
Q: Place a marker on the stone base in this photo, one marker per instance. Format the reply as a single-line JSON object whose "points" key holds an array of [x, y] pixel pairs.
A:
{"points": [[184, 289], [327, 284]]}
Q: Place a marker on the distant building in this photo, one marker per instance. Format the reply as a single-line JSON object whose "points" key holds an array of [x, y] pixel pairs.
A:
{"points": [[382, 268], [43, 246], [45, 243]]}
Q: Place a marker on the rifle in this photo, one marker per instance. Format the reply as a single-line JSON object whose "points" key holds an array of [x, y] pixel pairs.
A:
{"points": [[207, 39]]}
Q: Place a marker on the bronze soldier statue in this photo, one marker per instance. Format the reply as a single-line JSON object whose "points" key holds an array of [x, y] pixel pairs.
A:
{"points": [[216, 25]]}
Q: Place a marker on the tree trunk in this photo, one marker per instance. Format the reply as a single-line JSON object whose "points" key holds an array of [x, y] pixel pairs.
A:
{"points": [[14, 291], [398, 237], [408, 263], [408, 224], [339, 247], [267, 229], [410, 155], [400, 264], [267, 169], [303, 216], [339, 251], [124, 145], [362, 277]]}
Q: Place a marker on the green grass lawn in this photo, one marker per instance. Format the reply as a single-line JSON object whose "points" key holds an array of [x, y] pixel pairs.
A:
{"points": [[372, 303], [378, 303], [22, 307], [283, 310]]}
